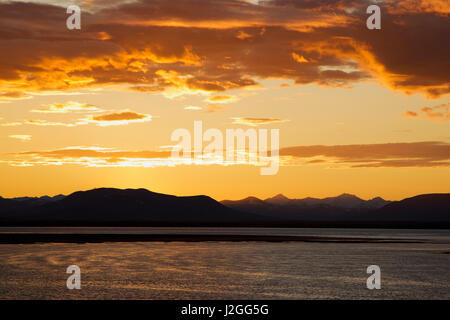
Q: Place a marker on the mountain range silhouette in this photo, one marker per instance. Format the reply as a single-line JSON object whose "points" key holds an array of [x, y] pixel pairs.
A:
{"points": [[105, 206]]}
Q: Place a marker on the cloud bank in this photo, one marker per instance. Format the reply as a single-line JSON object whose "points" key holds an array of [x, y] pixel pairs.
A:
{"points": [[200, 46]]}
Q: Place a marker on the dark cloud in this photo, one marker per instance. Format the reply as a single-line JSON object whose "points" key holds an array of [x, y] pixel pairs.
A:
{"points": [[413, 154], [202, 45]]}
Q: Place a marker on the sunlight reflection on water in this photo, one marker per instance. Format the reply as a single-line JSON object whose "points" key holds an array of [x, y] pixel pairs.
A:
{"points": [[224, 270]]}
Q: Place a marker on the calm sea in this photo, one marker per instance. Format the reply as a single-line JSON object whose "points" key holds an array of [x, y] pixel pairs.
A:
{"points": [[229, 270]]}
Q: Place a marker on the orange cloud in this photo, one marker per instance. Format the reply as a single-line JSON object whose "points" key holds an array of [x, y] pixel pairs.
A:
{"points": [[120, 118], [438, 113], [70, 106], [222, 99], [410, 114], [385, 155], [242, 35], [413, 154], [256, 121], [298, 58], [91, 157], [411, 6], [180, 47], [14, 95], [212, 108], [108, 119], [96, 152], [52, 123]]}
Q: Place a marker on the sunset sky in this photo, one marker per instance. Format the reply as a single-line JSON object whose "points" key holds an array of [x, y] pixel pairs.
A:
{"points": [[359, 111]]}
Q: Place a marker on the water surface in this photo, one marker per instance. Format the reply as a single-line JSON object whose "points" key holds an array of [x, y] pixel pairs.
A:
{"points": [[225, 270]]}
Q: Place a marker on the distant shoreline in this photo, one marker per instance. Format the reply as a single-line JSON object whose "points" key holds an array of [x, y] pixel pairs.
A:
{"points": [[30, 238], [242, 224]]}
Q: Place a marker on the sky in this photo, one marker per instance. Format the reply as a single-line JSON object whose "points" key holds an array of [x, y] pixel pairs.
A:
{"points": [[358, 111]]}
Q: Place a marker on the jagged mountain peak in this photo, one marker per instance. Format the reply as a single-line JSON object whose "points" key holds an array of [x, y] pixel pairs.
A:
{"points": [[278, 198], [347, 196]]}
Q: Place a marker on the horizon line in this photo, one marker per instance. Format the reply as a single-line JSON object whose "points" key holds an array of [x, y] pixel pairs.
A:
{"points": [[245, 197]]}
